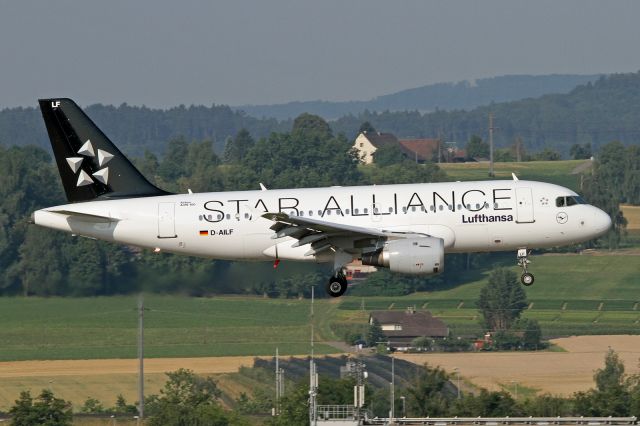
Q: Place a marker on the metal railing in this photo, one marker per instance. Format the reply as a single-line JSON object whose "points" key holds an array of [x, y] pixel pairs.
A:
{"points": [[496, 421], [336, 412]]}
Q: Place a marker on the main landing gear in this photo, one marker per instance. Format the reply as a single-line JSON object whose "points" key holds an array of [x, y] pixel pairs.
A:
{"points": [[523, 261], [337, 284]]}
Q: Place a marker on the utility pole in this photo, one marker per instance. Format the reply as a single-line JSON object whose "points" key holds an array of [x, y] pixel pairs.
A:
{"points": [[518, 149], [313, 376], [491, 173], [279, 384], [357, 368], [393, 389], [439, 147], [141, 357]]}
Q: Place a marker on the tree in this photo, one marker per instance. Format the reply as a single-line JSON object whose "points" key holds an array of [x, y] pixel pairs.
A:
{"points": [[477, 148], [548, 154], [92, 405], [611, 397], [501, 300], [605, 187], [45, 410], [309, 126], [366, 127], [174, 163], [428, 394], [487, 404], [580, 152], [187, 399], [387, 155], [374, 334], [236, 149]]}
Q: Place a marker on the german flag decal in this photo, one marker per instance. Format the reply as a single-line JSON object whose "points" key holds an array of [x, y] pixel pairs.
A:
{"points": [[204, 233]]}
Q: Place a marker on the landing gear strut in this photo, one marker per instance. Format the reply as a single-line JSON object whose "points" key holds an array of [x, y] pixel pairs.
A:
{"points": [[523, 261], [337, 284]]}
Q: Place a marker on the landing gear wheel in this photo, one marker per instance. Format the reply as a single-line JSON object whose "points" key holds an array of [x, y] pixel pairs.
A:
{"points": [[527, 278], [523, 261], [336, 286]]}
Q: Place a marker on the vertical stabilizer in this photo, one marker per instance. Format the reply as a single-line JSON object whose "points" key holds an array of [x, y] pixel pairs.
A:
{"points": [[90, 165]]}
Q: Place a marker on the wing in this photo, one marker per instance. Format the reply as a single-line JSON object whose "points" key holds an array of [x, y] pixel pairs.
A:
{"points": [[324, 235]]}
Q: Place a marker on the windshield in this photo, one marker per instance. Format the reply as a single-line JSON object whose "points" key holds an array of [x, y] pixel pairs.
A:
{"points": [[569, 200]]}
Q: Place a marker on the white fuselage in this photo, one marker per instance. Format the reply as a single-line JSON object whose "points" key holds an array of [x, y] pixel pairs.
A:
{"points": [[468, 216]]}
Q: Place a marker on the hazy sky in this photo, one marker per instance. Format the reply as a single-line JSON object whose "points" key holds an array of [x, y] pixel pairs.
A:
{"points": [[166, 52]]}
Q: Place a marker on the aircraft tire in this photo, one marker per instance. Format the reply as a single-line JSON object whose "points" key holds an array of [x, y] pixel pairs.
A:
{"points": [[527, 279], [336, 286]]}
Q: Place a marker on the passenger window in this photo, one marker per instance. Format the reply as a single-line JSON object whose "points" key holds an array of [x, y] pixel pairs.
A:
{"points": [[366, 211], [301, 213], [200, 217], [404, 210], [310, 213], [440, 208], [413, 209], [347, 211], [391, 209]]}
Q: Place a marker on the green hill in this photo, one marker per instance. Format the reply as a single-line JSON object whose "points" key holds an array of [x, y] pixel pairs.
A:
{"points": [[596, 113], [565, 173], [573, 294]]}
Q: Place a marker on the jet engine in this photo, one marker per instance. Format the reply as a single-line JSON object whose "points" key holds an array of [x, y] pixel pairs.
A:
{"points": [[416, 256]]}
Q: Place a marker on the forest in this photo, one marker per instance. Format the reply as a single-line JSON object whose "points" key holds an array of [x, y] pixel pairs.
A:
{"points": [[593, 113]]}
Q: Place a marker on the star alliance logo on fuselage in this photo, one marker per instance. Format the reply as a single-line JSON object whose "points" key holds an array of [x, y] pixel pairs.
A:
{"points": [[84, 178]]}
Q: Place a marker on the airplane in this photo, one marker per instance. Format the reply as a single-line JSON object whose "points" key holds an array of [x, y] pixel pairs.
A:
{"points": [[407, 228]]}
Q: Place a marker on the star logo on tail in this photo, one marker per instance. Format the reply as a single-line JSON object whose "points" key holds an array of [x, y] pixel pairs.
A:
{"points": [[84, 178]]}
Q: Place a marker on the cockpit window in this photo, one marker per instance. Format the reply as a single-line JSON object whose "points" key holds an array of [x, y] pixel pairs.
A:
{"points": [[570, 200]]}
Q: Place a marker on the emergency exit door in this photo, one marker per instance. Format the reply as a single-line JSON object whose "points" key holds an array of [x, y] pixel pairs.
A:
{"points": [[166, 220], [524, 205]]}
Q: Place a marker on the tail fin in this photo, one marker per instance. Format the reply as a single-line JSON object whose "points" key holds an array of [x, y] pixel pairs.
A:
{"points": [[90, 165]]}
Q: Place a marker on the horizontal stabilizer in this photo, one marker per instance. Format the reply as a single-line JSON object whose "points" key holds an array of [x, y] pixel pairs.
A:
{"points": [[86, 216]]}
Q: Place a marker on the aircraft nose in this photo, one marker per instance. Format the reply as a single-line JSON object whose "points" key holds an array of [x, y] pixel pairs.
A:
{"points": [[601, 222]]}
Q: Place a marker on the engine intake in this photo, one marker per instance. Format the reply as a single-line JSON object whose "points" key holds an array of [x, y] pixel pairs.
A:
{"points": [[416, 256]]}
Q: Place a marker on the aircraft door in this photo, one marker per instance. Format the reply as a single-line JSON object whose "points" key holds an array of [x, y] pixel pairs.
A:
{"points": [[524, 205], [166, 220]]}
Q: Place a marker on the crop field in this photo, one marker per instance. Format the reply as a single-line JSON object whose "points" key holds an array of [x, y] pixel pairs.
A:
{"points": [[565, 173], [106, 327]]}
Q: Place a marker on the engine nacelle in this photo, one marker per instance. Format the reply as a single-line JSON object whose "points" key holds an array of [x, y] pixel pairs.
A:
{"points": [[417, 256]]}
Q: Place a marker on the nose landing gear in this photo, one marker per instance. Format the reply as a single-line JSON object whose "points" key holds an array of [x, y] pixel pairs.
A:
{"points": [[526, 278], [337, 284]]}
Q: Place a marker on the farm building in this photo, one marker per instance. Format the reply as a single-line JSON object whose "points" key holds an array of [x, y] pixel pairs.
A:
{"points": [[418, 150], [402, 327]]}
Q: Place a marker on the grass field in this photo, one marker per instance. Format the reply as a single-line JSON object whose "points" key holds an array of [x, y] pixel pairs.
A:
{"points": [[558, 172], [573, 294], [106, 327]]}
